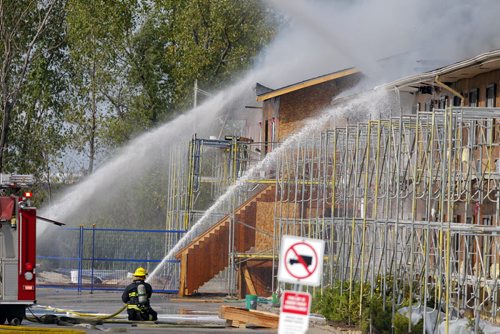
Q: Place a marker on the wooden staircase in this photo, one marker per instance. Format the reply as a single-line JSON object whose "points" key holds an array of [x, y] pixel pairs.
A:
{"points": [[208, 254]]}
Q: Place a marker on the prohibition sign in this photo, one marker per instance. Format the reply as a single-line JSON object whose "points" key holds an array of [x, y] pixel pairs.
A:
{"points": [[304, 260], [301, 260]]}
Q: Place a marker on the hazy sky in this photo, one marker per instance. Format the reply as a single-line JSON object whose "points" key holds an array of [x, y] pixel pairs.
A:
{"points": [[387, 39]]}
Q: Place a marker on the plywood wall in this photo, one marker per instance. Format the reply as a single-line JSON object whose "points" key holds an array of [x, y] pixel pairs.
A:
{"points": [[265, 222]]}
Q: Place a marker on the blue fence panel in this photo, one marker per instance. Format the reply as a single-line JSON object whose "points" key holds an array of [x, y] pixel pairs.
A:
{"points": [[105, 258]]}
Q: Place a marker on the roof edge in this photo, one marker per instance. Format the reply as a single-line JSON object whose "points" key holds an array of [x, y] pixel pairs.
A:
{"points": [[307, 83], [426, 76]]}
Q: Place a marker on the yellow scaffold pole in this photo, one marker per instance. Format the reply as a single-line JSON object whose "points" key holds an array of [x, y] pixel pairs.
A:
{"points": [[353, 225], [365, 206], [448, 214]]}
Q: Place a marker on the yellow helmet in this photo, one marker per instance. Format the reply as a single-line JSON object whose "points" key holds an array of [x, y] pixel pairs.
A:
{"points": [[140, 272]]}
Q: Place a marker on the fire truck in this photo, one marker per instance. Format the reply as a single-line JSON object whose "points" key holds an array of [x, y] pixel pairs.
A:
{"points": [[17, 247]]}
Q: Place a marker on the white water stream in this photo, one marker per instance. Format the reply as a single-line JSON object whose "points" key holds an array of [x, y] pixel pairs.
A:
{"points": [[367, 104], [136, 157]]}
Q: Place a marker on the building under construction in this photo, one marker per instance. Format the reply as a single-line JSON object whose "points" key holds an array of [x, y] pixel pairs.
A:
{"points": [[407, 198]]}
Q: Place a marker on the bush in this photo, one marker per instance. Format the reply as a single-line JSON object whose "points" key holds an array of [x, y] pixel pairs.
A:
{"points": [[401, 323], [379, 316], [336, 307]]}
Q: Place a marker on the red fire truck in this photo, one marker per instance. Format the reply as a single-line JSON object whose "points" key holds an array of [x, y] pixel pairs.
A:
{"points": [[17, 248]]}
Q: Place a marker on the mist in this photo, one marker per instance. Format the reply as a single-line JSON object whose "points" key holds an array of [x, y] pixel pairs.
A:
{"points": [[385, 39]]}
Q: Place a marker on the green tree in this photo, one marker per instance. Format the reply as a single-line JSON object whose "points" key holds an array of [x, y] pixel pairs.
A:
{"points": [[38, 134], [134, 62], [175, 43], [210, 41], [25, 38], [97, 37]]}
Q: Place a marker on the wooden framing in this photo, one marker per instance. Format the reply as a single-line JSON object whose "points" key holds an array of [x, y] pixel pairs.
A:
{"points": [[248, 281], [207, 255], [255, 277]]}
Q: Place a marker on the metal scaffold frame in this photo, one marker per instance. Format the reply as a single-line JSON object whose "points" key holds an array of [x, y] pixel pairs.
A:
{"points": [[408, 204], [197, 180]]}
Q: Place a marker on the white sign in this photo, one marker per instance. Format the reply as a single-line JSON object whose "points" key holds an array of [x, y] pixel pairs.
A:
{"points": [[301, 260], [294, 312]]}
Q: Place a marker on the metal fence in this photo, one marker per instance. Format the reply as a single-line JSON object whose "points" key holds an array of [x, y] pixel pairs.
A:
{"points": [[105, 258]]}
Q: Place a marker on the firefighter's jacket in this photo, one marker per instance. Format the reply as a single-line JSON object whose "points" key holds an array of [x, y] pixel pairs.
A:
{"points": [[131, 298]]}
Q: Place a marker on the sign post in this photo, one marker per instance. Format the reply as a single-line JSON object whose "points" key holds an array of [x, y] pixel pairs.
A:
{"points": [[300, 263], [294, 312]]}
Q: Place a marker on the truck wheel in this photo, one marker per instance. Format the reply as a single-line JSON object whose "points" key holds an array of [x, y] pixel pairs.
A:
{"points": [[14, 321], [16, 314]]}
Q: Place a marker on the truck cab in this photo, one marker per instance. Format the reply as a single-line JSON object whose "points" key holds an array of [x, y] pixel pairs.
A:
{"points": [[17, 248]]}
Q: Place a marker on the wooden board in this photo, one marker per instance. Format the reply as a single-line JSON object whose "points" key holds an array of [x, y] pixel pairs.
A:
{"points": [[240, 317], [265, 227], [248, 281]]}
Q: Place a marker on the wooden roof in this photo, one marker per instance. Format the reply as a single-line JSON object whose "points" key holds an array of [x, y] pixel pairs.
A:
{"points": [[307, 83]]}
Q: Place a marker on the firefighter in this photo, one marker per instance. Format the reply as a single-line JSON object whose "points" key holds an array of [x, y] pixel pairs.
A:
{"points": [[137, 295]]}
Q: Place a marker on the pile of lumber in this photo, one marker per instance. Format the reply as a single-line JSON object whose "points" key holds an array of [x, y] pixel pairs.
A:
{"points": [[241, 317]]}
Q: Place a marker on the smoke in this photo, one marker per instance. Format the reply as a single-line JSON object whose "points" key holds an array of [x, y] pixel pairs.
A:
{"points": [[386, 39]]}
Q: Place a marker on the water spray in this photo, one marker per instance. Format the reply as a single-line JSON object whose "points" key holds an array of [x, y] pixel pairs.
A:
{"points": [[360, 103]]}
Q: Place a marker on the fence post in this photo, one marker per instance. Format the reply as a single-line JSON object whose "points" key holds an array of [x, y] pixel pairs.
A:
{"points": [[80, 261], [92, 260]]}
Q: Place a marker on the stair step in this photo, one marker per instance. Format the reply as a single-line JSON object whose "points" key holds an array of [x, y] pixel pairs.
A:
{"points": [[208, 255], [209, 236]]}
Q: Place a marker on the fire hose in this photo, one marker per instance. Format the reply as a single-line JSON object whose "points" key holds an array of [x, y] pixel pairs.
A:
{"points": [[90, 318], [86, 315], [65, 321]]}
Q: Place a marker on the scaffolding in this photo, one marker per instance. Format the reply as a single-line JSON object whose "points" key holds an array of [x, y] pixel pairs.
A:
{"points": [[408, 204], [199, 178]]}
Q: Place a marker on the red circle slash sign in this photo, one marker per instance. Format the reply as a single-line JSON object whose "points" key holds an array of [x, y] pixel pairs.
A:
{"points": [[303, 256]]}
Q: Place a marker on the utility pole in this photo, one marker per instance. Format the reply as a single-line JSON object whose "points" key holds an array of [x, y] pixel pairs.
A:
{"points": [[195, 93], [197, 90]]}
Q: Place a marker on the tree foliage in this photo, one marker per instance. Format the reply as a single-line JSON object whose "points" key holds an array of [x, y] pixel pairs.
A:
{"points": [[211, 41], [31, 38], [97, 39], [80, 78], [134, 62]]}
